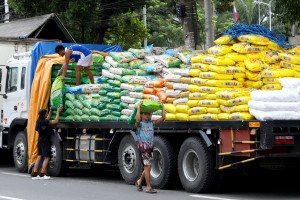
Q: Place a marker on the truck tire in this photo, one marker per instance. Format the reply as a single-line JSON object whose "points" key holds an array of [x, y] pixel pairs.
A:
{"points": [[196, 166], [56, 166], [163, 169], [129, 160], [20, 152]]}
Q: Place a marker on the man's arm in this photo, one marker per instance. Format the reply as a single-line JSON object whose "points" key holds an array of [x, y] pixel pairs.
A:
{"points": [[49, 114], [55, 121], [138, 115], [66, 63], [163, 117]]}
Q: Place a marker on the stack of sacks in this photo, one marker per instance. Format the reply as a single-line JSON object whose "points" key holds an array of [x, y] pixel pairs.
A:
{"points": [[259, 56], [279, 104], [234, 104]]}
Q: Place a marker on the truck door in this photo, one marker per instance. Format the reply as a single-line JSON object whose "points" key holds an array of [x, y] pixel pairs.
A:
{"points": [[14, 100], [2, 91]]}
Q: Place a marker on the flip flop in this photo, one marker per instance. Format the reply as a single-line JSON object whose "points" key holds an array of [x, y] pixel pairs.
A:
{"points": [[139, 187], [151, 190]]}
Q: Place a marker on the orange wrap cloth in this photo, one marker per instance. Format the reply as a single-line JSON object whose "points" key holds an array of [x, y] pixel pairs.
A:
{"points": [[39, 98]]}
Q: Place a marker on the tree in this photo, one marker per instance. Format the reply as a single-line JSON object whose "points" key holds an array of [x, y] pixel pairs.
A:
{"points": [[87, 20]]}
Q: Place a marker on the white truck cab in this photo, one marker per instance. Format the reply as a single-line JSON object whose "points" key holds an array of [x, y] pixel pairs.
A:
{"points": [[14, 104]]}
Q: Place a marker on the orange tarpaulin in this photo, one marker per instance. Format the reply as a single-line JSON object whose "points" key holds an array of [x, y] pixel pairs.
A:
{"points": [[39, 98]]}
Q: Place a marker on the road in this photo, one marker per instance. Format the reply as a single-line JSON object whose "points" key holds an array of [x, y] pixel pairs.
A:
{"points": [[109, 185]]}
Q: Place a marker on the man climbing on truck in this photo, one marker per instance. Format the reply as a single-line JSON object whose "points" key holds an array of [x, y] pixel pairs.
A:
{"points": [[76, 53]]}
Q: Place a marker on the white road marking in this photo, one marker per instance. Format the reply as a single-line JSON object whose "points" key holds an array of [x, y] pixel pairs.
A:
{"points": [[209, 197], [14, 174], [9, 198]]}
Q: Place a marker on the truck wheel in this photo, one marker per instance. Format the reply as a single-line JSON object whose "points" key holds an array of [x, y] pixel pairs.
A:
{"points": [[163, 169], [56, 165], [20, 152], [129, 160], [196, 166]]}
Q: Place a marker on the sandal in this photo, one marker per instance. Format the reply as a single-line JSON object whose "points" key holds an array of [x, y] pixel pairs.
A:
{"points": [[139, 187], [151, 190]]}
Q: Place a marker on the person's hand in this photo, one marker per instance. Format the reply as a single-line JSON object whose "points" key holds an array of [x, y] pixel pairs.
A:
{"points": [[59, 72], [140, 103], [63, 78], [59, 109]]}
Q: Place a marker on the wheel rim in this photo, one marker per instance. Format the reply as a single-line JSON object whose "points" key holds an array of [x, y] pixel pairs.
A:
{"points": [[20, 153], [191, 165], [52, 160], [129, 159], [157, 165]]}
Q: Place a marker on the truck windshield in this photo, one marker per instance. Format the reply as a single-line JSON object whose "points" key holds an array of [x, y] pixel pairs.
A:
{"points": [[12, 80]]}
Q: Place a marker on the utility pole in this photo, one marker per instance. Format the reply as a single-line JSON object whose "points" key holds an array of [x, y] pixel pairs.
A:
{"points": [[189, 18], [208, 23], [145, 23]]}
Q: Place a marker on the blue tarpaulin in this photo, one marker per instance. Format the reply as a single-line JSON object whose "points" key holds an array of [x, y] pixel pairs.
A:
{"points": [[44, 48]]}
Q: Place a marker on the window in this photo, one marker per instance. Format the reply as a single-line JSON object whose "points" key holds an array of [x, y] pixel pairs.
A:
{"points": [[23, 78], [12, 79]]}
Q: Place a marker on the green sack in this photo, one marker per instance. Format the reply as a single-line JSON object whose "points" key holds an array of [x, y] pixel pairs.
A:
{"points": [[104, 112], [101, 106], [77, 118], [94, 104], [95, 112], [116, 101], [70, 111], [86, 104], [70, 97], [124, 118], [115, 83], [124, 105], [69, 104], [70, 118], [114, 95], [78, 104], [114, 107], [94, 118], [116, 113], [78, 111], [131, 119], [57, 93], [86, 111], [97, 58], [85, 118], [150, 106]]}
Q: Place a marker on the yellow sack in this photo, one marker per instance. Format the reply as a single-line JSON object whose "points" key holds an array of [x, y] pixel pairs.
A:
{"points": [[219, 50], [294, 50], [184, 94], [203, 67], [198, 81], [240, 116], [277, 73], [185, 79], [231, 94], [254, 39], [271, 81], [253, 56], [269, 56], [208, 116], [224, 39], [238, 108], [248, 48], [253, 76], [197, 110], [170, 108], [214, 110], [290, 65], [228, 83], [272, 87], [226, 69], [182, 108], [235, 101], [297, 75], [254, 65], [274, 66], [239, 75], [208, 103], [237, 57], [194, 88], [214, 75], [207, 89], [211, 97], [198, 58], [223, 116], [171, 117], [193, 103], [221, 60], [254, 84], [197, 96], [194, 72], [182, 116], [291, 58], [274, 46]]}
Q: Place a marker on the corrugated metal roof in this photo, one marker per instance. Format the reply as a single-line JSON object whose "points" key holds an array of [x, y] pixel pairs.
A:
{"points": [[31, 27]]}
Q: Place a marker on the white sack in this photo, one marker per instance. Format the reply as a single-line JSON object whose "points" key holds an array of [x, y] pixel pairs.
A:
{"points": [[271, 106], [274, 115], [275, 95]]}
